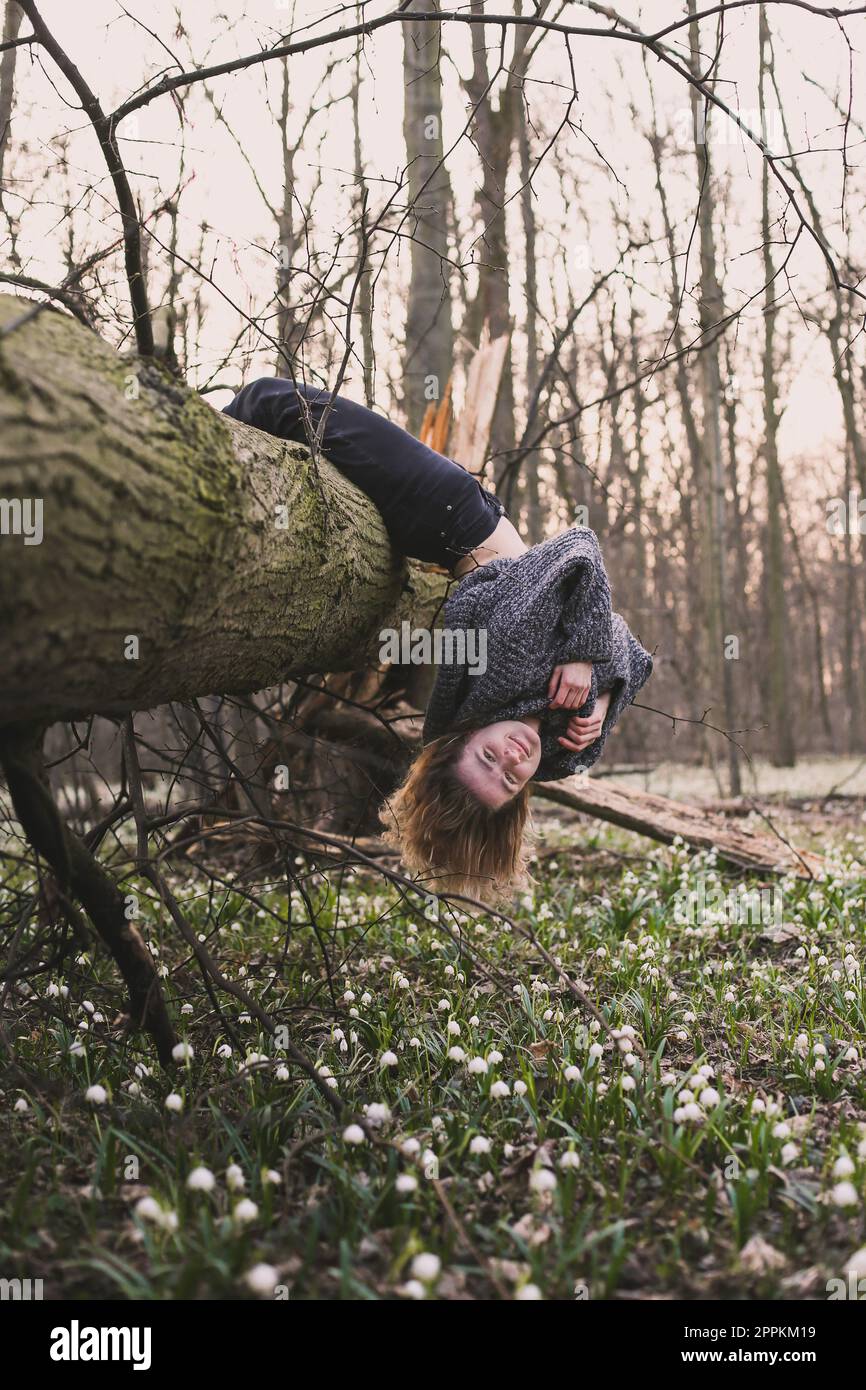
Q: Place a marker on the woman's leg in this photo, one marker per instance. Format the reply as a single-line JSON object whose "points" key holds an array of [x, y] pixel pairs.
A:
{"points": [[504, 543]]}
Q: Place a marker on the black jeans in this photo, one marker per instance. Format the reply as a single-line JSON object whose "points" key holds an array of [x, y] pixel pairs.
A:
{"points": [[432, 508]]}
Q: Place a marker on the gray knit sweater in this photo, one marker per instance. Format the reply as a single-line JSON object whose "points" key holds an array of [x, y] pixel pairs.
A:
{"points": [[545, 608]]}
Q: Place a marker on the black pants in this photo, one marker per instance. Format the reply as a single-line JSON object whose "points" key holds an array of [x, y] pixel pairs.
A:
{"points": [[433, 509]]}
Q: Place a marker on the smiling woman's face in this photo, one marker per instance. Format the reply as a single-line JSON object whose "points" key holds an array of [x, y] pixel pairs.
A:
{"points": [[498, 760]]}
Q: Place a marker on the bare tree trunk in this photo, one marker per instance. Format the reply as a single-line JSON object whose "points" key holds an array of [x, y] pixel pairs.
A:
{"points": [[711, 314], [782, 748], [364, 298], [429, 353], [12, 18]]}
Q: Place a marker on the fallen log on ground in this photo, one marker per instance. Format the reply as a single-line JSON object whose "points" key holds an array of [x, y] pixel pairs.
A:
{"points": [[660, 818]]}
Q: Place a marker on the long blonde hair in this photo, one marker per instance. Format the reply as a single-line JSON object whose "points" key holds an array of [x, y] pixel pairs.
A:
{"points": [[441, 828]]}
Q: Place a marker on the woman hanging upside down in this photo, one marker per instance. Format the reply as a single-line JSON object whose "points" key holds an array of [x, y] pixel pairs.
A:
{"points": [[561, 666]]}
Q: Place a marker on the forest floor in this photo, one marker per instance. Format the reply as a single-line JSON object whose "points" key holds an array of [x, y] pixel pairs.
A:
{"points": [[707, 1140]]}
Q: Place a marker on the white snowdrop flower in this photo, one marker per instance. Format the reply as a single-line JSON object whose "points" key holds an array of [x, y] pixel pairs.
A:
{"points": [[844, 1194], [141, 1070], [235, 1180], [261, 1279], [542, 1180], [437, 1122], [366, 998], [800, 953], [570, 1159], [629, 1060], [378, 1113], [444, 1006], [819, 1050], [96, 1095], [410, 1148], [201, 1180], [602, 1088], [244, 1018], [689, 1017], [20, 1106], [349, 996], [627, 1083], [843, 1167], [353, 1134], [480, 1144], [282, 1073], [133, 1088], [706, 1070], [389, 1059], [520, 1088], [52, 991], [730, 997], [709, 1097], [624, 1044], [457, 1054], [224, 1051], [324, 1071], [474, 1021], [406, 1182], [693, 1113], [449, 970], [413, 1288], [499, 1090], [426, 1267], [528, 1293], [245, 1211], [852, 1055], [758, 1106], [822, 960], [88, 1006], [148, 1209], [271, 1178], [174, 1102], [601, 952], [668, 1079], [454, 1028], [782, 1130], [684, 1097], [681, 1035], [679, 1115], [494, 1057], [547, 1015], [76, 1048], [572, 1073], [820, 1065], [596, 1050], [430, 1163], [476, 1066], [790, 1152]]}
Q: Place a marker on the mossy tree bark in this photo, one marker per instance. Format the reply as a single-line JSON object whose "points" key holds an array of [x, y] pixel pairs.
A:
{"points": [[182, 553]]}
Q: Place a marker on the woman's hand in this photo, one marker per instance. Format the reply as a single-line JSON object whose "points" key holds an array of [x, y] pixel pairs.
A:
{"points": [[570, 685], [582, 732]]}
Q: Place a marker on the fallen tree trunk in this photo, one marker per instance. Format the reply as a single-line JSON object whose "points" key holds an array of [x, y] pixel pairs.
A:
{"points": [[662, 819], [181, 553]]}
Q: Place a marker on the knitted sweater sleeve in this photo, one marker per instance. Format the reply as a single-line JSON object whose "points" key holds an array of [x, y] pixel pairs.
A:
{"points": [[586, 614]]}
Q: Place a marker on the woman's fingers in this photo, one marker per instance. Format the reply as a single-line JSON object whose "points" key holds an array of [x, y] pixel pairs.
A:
{"points": [[554, 683]]}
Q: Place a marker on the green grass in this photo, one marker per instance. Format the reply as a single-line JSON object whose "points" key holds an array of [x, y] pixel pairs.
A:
{"points": [[602, 1181]]}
